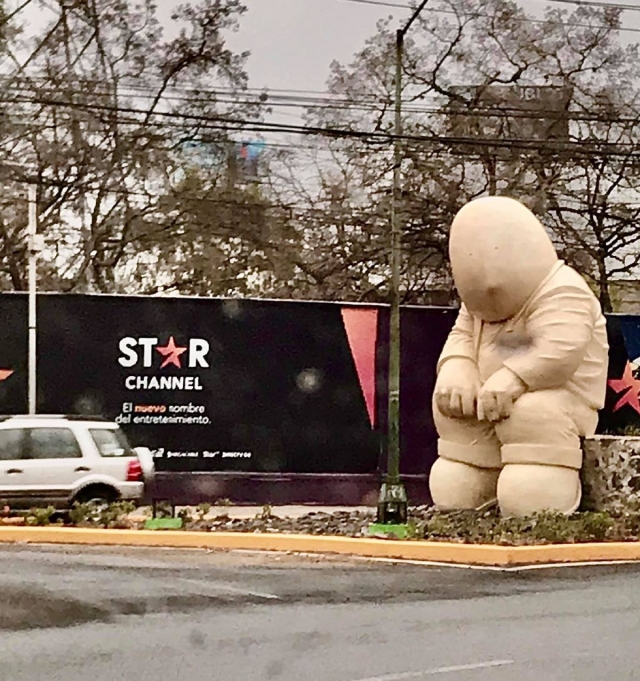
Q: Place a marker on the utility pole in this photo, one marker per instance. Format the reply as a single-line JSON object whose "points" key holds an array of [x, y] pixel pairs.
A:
{"points": [[33, 248], [392, 503]]}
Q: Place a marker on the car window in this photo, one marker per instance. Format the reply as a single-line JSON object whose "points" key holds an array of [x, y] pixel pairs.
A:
{"points": [[52, 443], [11, 441], [111, 442]]}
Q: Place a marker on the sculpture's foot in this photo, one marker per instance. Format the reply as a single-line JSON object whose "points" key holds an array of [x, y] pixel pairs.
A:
{"points": [[457, 486], [525, 489]]}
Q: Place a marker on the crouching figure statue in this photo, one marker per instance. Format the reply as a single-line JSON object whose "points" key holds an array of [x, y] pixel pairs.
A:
{"points": [[523, 372]]}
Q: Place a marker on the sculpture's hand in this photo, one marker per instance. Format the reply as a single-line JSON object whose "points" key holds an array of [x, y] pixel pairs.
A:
{"points": [[457, 388], [497, 395]]}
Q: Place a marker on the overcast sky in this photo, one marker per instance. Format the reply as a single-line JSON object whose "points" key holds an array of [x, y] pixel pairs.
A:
{"points": [[294, 41]]}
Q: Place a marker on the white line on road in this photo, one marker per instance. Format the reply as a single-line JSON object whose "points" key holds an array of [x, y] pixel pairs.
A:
{"points": [[433, 563], [497, 568], [439, 670], [231, 589], [442, 564]]}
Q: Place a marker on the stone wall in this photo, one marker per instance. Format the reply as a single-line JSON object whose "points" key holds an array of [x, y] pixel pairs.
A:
{"points": [[611, 473]]}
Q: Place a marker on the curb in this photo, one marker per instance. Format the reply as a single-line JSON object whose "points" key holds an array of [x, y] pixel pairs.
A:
{"points": [[432, 552]]}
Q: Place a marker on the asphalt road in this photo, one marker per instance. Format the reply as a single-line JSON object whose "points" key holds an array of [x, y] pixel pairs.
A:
{"points": [[149, 615]]}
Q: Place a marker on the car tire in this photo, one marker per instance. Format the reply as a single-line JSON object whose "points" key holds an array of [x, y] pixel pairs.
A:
{"points": [[97, 495]]}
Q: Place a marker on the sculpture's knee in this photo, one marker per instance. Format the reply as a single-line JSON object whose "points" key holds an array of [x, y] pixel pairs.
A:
{"points": [[466, 472], [525, 489], [460, 486], [541, 453]]}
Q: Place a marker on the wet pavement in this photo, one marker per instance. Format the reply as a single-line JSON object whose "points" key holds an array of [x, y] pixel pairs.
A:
{"points": [[168, 615]]}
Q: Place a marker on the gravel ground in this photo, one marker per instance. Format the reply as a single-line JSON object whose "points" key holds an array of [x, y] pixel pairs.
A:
{"points": [[468, 527], [346, 523]]}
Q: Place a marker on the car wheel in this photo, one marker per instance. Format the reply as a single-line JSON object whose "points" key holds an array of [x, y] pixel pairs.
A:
{"points": [[97, 499]]}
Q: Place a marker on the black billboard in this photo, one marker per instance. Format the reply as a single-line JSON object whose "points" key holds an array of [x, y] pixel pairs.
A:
{"points": [[225, 385], [252, 386]]}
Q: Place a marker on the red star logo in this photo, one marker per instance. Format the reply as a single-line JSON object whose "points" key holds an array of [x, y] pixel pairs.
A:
{"points": [[171, 352], [5, 373], [630, 387]]}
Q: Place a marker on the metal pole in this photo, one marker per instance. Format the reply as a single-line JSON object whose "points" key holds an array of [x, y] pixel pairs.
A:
{"points": [[393, 444], [392, 504], [32, 253]]}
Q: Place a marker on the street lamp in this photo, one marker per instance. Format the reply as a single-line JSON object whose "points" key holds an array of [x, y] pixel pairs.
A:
{"points": [[392, 503]]}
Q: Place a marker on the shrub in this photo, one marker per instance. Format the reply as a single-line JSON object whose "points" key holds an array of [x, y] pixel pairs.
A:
{"points": [[40, 516]]}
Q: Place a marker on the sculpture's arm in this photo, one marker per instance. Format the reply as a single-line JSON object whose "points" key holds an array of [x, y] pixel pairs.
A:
{"points": [[460, 343], [561, 325]]}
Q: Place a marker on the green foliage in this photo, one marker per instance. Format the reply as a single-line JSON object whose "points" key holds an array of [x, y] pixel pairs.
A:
{"points": [[163, 509], [116, 515], [629, 430], [111, 516], [185, 515], [79, 514], [40, 517]]}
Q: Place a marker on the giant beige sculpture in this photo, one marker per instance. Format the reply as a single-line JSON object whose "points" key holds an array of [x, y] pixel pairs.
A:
{"points": [[522, 374]]}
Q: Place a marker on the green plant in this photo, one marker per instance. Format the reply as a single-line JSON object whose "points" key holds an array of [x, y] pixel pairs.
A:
{"points": [[266, 512], [185, 515], [115, 515], [163, 509], [40, 516], [203, 510], [79, 514], [630, 430]]}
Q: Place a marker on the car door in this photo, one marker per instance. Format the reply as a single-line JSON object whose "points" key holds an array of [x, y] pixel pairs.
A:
{"points": [[52, 463], [12, 445]]}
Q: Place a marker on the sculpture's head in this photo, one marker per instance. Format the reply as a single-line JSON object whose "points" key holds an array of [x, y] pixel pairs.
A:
{"points": [[500, 254]]}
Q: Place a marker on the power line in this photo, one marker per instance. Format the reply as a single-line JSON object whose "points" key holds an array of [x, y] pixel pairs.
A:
{"points": [[495, 111], [439, 10], [590, 147], [597, 3], [587, 3]]}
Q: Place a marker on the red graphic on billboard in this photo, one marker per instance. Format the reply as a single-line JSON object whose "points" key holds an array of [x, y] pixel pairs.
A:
{"points": [[361, 326], [5, 373], [629, 388], [171, 352]]}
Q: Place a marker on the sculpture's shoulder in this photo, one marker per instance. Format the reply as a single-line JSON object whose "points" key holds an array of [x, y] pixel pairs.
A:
{"points": [[566, 277], [568, 288]]}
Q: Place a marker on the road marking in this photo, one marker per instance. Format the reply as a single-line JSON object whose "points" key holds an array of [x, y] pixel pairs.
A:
{"points": [[231, 589], [439, 670], [497, 568], [433, 563], [586, 563]]}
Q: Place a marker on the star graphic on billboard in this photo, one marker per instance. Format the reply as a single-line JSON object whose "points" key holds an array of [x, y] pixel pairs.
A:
{"points": [[629, 388], [171, 353], [5, 373]]}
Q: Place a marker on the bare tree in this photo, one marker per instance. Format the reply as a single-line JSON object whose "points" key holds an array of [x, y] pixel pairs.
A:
{"points": [[470, 130], [101, 106]]}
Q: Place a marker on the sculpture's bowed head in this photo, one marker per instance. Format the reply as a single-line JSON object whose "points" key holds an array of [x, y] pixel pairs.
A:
{"points": [[500, 254]]}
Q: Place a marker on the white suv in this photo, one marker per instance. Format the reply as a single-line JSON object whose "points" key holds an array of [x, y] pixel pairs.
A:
{"points": [[59, 460]]}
